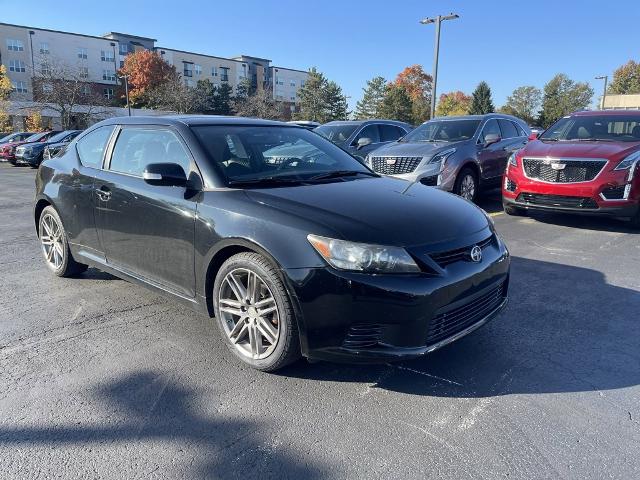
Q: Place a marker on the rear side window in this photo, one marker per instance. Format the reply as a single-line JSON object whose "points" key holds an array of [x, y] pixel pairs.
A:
{"points": [[138, 147], [370, 132], [390, 133], [91, 147], [508, 129], [490, 127]]}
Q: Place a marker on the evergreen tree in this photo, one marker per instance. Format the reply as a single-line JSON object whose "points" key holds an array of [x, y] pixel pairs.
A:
{"points": [[481, 102], [205, 96], [335, 103], [373, 96], [312, 97], [563, 96], [222, 104], [397, 104]]}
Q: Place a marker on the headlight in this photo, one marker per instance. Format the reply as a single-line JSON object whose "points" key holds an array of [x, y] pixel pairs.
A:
{"points": [[512, 160], [361, 257], [441, 157], [628, 162], [367, 160]]}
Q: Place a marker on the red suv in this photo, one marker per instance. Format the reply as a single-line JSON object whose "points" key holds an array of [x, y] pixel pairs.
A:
{"points": [[587, 162]]}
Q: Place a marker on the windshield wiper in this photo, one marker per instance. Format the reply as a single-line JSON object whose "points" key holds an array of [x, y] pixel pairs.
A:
{"points": [[341, 173], [592, 139], [265, 181]]}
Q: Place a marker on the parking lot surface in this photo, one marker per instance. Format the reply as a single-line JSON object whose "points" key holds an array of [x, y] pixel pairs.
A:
{"points": [[100, 378]]}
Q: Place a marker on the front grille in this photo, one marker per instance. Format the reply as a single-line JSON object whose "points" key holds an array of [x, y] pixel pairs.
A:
{"points": [[362, 335], [395, 165], [451, 322], [572, 172], [614, 193], [557, 201], [445, 258]]}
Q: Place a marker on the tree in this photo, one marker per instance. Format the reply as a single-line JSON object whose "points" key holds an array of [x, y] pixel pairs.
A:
{"points": [[146, 70], [5, 84], [453, 103], [172, 95], [5, 118], [259, 105], [626, 79], [563, 96], [223, 101], [205, 93], [33, 122], [523, 103], [418, 85], [312, 97], [372, 97], [397, 104], [481, 102], [336, 105]]}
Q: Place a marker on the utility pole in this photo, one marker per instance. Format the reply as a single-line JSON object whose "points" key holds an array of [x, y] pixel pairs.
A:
{"points": [[437, 20], [126, 90], [604, 92]]}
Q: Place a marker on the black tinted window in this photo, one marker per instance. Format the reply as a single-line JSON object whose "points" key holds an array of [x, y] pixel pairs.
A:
{"points": [[91, 147], [390, 133], [491, 127], [370, 132], [508, 129], [138, 147]]}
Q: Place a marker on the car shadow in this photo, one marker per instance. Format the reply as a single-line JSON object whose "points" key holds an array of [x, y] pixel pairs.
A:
{"points": [[490, 200], [584, 222], [565, 330], [95, 274], [154, 408]]}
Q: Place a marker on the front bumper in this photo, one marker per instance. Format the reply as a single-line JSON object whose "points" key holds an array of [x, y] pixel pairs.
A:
{"points": [[358, 318]]}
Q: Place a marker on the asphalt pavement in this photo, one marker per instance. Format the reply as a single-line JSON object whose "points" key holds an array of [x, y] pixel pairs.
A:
{"points": [[100, 378]]}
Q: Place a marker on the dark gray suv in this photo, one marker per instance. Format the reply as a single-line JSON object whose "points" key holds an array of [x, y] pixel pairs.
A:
{"points": [[360, 137], [457, 154]]}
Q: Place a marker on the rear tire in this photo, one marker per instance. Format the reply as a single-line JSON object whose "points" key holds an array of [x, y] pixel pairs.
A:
{"points": [[55, 246], [635, 221], [514, 211], [467, 185], [254, 313]]}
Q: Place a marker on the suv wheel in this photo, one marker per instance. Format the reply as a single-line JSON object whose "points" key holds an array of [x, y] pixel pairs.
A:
{"points": [[466, 184], [635, 221], [54, 245], [254, 313]]}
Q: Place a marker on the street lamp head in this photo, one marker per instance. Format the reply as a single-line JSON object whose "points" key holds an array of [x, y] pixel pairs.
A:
{"points": [[439, 18], [601, 77]]}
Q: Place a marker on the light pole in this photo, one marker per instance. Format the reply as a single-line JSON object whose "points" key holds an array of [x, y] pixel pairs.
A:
{"points": [[126, 90], [604, 92], [437, 20]]}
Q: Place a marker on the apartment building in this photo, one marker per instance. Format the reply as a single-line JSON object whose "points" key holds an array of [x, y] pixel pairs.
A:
{"points": [[29, 54]]}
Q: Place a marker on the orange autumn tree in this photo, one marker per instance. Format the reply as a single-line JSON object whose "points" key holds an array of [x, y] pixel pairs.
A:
{"points": [[453, 103], [417, 84], [146, 71]]}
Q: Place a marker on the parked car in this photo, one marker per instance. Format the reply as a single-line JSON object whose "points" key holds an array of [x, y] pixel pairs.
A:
{"points": [[33, 153], [8, 150], [587, 163], [360, 137], [319, 256], [536, 129], [308, 124], [15, 137], [457, 154]]}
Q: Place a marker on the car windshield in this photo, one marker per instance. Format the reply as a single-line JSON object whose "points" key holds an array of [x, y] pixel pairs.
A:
{"points": [[60, 136], [337, 133], [443, 131], [9, 137], [259, 154], [611, 128], [35, 137]]}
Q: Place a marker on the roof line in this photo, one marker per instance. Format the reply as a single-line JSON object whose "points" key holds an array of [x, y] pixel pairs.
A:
{"points": [[57, 31], [199, 54], [130, 36], [291, 69]]}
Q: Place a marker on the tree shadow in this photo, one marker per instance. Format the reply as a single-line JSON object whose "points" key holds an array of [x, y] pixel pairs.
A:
{"points": [[565, 330], [156, 408]]}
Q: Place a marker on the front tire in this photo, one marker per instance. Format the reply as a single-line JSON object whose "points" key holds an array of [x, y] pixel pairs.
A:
{"points": [[467, 185], [54, 245], [254, 313]]}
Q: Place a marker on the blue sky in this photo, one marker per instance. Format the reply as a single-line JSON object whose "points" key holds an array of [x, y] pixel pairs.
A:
{"points": [[506, 43]]}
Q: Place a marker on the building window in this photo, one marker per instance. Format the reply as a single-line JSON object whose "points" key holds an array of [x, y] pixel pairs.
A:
{"points": [[15, 45], [19, 86], [47, 88], [292, 83], [123, 49], [109, 75], [45, 69], [279, 81], [224, 74], [106, 55], [214, 71], [82, 53], [121, 63], [17, 66], [293, 99], [188, 69], [108, 93], [85, 90], [84, 72], [188, 82], [44, 48], [198, 69]]}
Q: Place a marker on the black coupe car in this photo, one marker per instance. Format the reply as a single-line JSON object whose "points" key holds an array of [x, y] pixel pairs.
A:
{"points": [[311, 255]]}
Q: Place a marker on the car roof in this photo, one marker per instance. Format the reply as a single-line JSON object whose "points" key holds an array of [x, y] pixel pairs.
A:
{"points": [[191, 120], [590, 113], [478, 117], [363, 122]]}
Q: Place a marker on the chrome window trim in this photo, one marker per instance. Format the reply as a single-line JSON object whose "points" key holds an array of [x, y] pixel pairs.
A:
{"points": [[565, 159]]}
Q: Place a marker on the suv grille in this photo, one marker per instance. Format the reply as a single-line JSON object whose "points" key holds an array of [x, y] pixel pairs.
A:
{"points": [[572, 172], [448, 323], [557, 200], [361, 335], [445, 258], [395, 165]]}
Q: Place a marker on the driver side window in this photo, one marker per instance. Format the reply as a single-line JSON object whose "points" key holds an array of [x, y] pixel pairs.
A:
{"points": [[491, 127], [370, 132]]}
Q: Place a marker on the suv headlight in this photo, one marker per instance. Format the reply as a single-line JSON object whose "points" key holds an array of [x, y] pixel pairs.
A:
{"points": [[628, 162], [362, 257], [441, 157], [367, 161], [513, 161]]}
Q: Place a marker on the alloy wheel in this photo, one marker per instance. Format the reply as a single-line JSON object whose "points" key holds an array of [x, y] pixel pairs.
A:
{"points": [[51, 240], [468, 187], [249, 313]]}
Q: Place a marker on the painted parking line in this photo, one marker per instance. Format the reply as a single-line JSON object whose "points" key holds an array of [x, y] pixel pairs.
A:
{"points": [[495, 214]]}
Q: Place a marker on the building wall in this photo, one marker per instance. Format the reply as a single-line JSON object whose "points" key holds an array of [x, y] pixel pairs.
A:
{"points": [[622, 102], [286, 83]]}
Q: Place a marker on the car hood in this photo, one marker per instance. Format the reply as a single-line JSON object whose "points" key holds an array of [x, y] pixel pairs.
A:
{"points": [[384, 211], [609, 150], [415, 149], [34, 145]]}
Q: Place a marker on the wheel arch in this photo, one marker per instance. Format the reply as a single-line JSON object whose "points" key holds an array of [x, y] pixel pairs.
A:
{"points": [[40, 205]]}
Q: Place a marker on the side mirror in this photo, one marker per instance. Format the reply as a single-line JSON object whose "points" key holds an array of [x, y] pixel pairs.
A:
{"points": [[165, 175], [363, 142], [533, 136], [491, 138]]}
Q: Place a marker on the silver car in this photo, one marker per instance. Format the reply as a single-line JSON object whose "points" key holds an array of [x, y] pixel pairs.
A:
{"points": [[457, 154]]}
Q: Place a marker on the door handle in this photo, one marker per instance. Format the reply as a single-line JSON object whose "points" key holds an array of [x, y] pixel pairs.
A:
{"points": [[103, 193]]}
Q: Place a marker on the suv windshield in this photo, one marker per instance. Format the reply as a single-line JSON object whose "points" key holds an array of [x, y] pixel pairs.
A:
{"points": [[256, 154], [336, 133], [35, 137], [612, 128], [443, 131]]}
